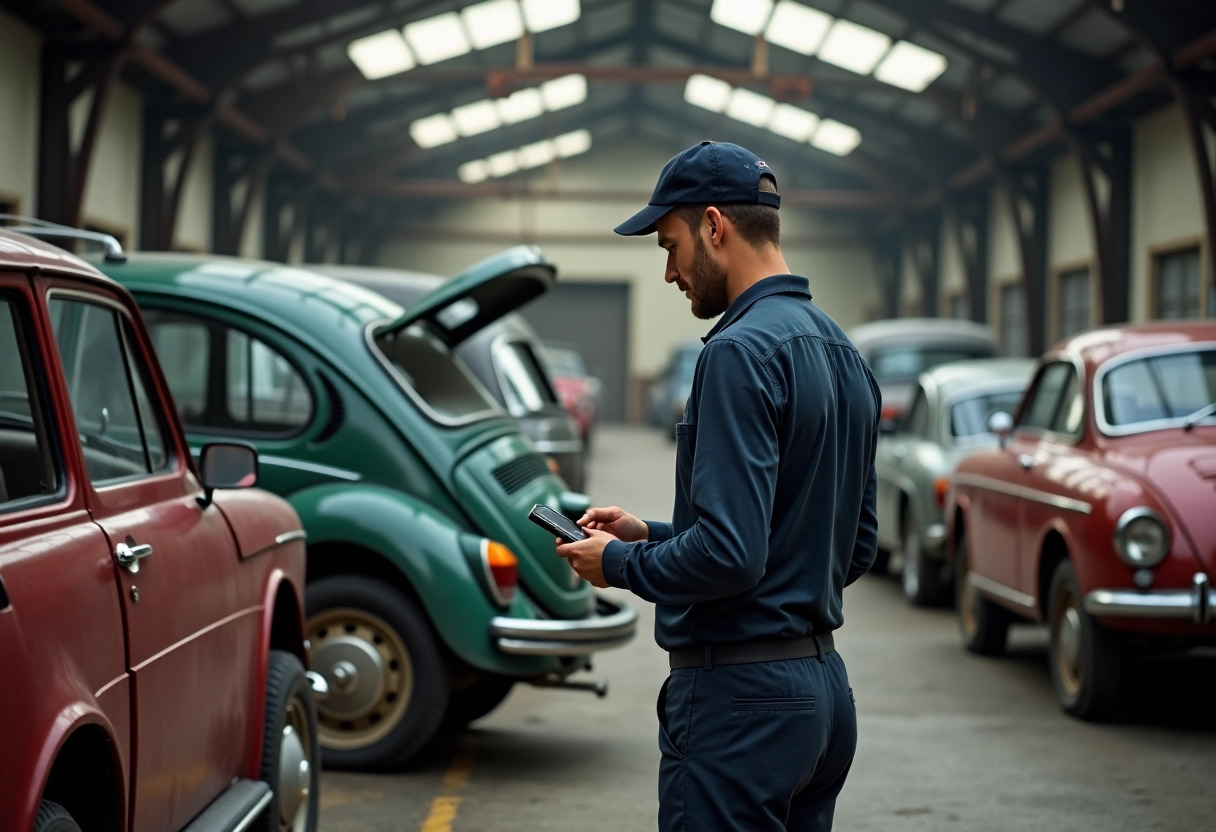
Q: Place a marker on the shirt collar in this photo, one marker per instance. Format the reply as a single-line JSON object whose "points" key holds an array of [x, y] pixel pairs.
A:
{"points": [[778, 284]]}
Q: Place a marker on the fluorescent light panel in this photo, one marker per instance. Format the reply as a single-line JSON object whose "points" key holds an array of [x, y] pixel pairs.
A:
{"points": [[836, 138], [793, 122], [707, 92], [473, 172], [853, 47], [437, 38], [529, 156], [910, 66], [502, 164], [535, 155], [433, 131], [797, 27], [493, 22], [478, 117], [521, 106], [573, 143], [543, 15], [380, 55], [564, 92], [749, 107], [746, 16]]}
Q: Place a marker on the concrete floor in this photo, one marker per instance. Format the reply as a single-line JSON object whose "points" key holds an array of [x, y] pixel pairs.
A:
{"points": [[949, 741]]}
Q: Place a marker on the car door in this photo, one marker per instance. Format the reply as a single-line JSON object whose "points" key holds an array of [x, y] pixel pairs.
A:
{"points": [[191, 625], [894, 454]]}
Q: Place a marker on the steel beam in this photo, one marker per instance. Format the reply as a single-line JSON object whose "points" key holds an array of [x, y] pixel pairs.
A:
{"points": [[970, 227], [887, 250], [922, 236], [1028, 191], [1106, 173]]}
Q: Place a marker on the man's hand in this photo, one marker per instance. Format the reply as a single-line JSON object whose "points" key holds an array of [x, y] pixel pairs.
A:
{"points": [[617, 522], [586, 557]]}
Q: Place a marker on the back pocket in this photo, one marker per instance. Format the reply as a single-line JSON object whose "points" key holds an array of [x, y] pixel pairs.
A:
{"points": [[790, 703]]}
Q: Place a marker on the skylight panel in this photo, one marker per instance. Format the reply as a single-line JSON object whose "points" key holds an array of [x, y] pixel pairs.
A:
{"points": [[380, 55], [852, 47], [535, 155], [521, 105], [708, 92], [433, 131], [572, 144], [473, 172], [746, 16], [910, 66], [437, 38], [478, 117], [750, 107], [543, 15], [493, 22], [502, 164], [835, 137], [793, 122], [564, 92], [797, 27]]}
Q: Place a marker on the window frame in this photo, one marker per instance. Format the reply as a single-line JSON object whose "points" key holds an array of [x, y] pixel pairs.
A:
{"points": [[1026, 404], [1055, 301], [1207, 281], [998, 300]]}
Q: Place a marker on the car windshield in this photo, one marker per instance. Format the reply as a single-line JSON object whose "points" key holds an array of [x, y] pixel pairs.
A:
{"points": [[894, 365], [564, 361], [525, 387], [969, 417], [433, 376], [1159, 388]]}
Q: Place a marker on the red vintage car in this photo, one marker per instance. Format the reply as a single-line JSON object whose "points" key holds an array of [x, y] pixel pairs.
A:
{"points": [[151, 636], [1098, 513]]}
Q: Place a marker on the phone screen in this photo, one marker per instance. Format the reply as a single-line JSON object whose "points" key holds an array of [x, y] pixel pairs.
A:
{"points": [[557, 523]]}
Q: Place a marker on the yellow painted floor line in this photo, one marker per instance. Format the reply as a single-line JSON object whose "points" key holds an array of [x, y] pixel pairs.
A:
{"points": [[446, 805]]}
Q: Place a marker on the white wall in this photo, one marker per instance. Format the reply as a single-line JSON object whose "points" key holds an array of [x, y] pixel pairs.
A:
{"points": [[19, 91], [111, 197], [578, 238], [953, 273]]}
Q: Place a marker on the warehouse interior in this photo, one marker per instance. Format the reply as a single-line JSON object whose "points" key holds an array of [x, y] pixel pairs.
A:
{"points": [[1044, 166]]}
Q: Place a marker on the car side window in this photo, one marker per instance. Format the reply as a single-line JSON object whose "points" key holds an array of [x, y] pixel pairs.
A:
{"points": [[119, 431], [1055, 402], [27, 465], [223, 378]]}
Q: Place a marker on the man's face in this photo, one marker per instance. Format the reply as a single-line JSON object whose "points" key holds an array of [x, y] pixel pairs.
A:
{"points": [[691, 266]]}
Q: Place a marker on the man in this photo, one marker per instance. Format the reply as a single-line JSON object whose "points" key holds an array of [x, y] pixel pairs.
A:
{"points": [[773, 517]]}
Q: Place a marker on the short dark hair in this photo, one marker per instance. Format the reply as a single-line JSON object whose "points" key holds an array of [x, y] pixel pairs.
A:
{"points": [[757, 224]]}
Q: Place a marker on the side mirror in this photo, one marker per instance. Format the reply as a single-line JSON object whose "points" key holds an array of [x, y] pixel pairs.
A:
{"points": [[227, 465], [1000, 424]]}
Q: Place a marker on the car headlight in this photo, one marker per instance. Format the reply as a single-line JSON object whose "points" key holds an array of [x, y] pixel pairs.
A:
{"points": [[1142, 537]]}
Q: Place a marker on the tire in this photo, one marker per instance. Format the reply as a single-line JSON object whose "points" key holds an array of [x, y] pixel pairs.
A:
{"points": [[882, 562], [1087, 661], [472, 703], [983, 625], [920, 577], [290, 753], [52, 817], [388, 687]]}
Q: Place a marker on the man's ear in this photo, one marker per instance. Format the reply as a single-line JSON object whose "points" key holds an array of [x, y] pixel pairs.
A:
{"points": [[716, 223]]}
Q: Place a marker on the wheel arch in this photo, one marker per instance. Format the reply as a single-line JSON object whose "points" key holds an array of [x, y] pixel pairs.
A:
{"points": [[1053, 551], [86, 778]]}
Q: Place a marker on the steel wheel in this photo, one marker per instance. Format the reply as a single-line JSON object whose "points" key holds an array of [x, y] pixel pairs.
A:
{"points": [[1087, 660], [290, 753], [295, 768], [984, 625]]}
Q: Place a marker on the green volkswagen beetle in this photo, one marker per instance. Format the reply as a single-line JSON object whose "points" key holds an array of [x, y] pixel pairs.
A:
{"points": [[429, 592]]}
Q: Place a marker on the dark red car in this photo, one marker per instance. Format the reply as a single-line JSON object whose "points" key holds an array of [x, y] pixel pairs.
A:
{"points": [[150, 625], [578, 389], [1098, 514]]}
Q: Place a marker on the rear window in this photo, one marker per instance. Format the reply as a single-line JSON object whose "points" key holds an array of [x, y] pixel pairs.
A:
{"points": [[895, 365], [438, 380]]}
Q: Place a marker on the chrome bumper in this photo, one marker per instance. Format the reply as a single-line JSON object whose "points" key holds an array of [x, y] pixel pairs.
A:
{"points": [[1197, 604], [611, 626]]}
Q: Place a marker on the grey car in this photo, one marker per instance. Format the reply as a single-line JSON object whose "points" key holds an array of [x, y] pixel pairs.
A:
{"points": [[946, 420], [669, 393], [505, 357]]}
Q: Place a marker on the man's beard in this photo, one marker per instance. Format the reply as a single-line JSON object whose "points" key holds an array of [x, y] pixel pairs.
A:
{"points": [[707, 284]]}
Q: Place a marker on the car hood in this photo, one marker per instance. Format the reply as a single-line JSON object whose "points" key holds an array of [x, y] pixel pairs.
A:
{"points": [[1181, 466], [480, 295]]}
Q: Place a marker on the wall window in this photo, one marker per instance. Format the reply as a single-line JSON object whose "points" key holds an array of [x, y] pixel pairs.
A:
{"points": [[1013, 320], [1177, 290], [1073, 310]]}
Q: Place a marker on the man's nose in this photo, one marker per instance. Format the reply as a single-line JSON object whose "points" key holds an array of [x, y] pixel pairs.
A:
{"points": [[672, 274]]}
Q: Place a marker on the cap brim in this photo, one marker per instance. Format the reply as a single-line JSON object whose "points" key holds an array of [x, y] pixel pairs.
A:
{"points": [[642, 223]]}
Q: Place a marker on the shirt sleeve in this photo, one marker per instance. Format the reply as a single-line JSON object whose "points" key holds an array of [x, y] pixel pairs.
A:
{"points": [[732, 487], [865, 548]]}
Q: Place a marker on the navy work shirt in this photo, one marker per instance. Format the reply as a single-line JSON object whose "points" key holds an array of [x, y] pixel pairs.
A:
{"points": [[775, 488]]}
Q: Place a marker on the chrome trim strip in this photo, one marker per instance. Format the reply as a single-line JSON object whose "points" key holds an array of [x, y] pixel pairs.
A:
{"points": [[287, 537], [312, 467], [1001, 591], [1161, 603], [520, 647], [253, 814], [558, 446], [1136, 355], [612, 623], [1032, 494]]}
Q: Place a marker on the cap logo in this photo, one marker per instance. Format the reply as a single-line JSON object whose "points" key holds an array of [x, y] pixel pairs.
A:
{"points": [[760, 164]]}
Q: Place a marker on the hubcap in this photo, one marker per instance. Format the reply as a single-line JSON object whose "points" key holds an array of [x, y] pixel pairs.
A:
{"points": [[295, 770], [369, 673], [1068, 643]]}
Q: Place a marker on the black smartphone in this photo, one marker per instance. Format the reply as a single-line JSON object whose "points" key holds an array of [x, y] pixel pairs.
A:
{"points": [[556, 523]]}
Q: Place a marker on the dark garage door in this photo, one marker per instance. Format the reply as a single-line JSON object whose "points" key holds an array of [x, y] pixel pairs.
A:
{"points": [[595, 317]]}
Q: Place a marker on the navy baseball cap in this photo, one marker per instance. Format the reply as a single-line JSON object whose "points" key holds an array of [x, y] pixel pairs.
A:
{"points": [[709, 173]]}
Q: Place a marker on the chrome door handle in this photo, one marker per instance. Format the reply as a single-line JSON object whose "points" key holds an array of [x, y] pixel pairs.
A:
{"points": [[1026, 461], [130, 556]]}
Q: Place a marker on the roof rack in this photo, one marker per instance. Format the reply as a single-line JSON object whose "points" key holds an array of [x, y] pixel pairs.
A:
{"points": [[35, 227]]}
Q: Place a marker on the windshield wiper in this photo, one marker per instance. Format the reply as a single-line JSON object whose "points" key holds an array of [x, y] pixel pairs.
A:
{"points": [[1198, 416]]}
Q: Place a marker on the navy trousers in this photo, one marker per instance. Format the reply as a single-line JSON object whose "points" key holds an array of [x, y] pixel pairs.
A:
{"points": [[756, 747]]}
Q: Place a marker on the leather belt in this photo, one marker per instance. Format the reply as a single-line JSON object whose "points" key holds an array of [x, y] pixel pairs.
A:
{"points": [[748, 652]]}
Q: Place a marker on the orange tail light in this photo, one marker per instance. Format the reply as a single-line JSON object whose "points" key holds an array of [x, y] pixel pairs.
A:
{"points": [[502, 570]]}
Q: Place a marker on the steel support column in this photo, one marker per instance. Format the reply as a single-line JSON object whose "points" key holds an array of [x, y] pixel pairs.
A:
{"points": [[286, 208], [924, 244], [970, 213], [239, 176], [1028, 192], [170, 139], [1106, 173], [887, 251], [1200, 118]]}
